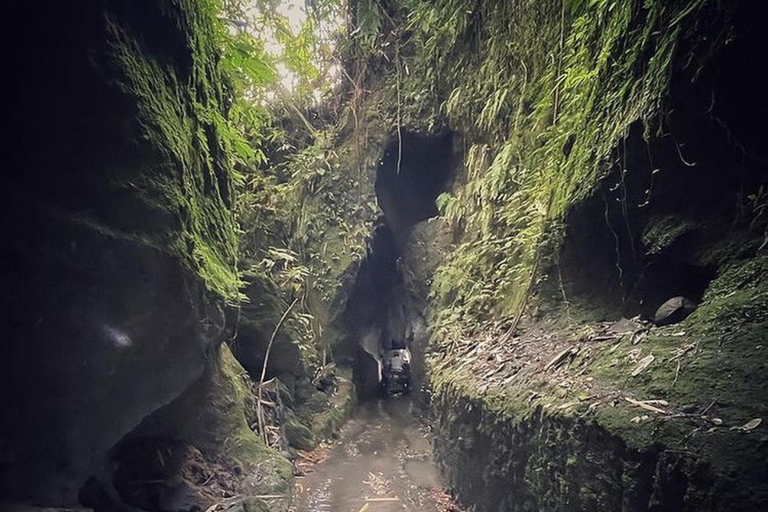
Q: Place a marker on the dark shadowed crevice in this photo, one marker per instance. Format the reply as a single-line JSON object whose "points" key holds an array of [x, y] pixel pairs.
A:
{"points": [[378, 316], [652, 228], [407, 192]]}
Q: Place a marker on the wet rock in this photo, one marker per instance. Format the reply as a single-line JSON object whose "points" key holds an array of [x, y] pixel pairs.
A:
{"points": [[103, 354], [673, 311], [257, 322], [325, 380], [286, 396], [209, 422], [103, 497], [288, 381], [151, 476], [120, 253], [304, 389], [298, 434], [251, 345], [182, 498]]}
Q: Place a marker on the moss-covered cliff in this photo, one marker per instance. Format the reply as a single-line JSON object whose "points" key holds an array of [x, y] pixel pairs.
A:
{"points": [[610, 162], [586, 161], [120, 261]]}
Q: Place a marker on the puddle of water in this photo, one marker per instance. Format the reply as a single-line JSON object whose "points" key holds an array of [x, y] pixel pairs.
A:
{"points": [[382, 462], [423, 474]]}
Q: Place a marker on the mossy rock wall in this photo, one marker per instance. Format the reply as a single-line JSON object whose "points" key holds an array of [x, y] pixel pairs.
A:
{"points": [[212, 416], [337, 224], [559, 102], [545, 461], [120, 246], [602, 176], [535, 435]]}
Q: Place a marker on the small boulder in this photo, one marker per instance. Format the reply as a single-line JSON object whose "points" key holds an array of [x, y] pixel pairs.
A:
{"points": [[673, 311]]}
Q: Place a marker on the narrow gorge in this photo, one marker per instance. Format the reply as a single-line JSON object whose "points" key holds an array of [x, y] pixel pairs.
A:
{"points": [[382, 255]]}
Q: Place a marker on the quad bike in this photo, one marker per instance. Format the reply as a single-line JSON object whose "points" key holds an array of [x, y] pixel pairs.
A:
{"points": [[396, 372]]}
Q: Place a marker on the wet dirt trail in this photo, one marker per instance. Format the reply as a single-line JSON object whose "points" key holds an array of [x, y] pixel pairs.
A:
{"points": [[382, 462]]}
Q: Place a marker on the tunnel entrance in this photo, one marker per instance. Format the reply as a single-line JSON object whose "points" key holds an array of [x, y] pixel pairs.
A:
{"points": [[409, 179], [380, 315]]}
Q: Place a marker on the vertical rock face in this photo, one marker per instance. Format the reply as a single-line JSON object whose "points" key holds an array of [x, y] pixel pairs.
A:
{"points": [[119, 242], [608, 166]]}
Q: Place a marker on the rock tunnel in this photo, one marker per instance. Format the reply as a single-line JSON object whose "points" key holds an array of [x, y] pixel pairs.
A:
{"points": [[380, 313]]}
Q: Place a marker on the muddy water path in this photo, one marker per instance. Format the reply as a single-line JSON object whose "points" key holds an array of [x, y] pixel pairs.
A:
{"points": [[382, 462]]}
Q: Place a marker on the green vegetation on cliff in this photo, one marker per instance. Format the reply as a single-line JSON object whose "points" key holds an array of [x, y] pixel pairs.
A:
{"points": [[181, 112], [543, 93], [556, 88], [554, 215]]}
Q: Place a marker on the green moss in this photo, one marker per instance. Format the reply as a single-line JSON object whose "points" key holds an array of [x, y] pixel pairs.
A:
{"points": [[542, 93], [748, 275], [496, 453], [318, 205], [179, 119], [298, 434], [737, 245], [333, 204], [322, 416], [719, 348], [239, 444], [329, 421], [713, 364]]}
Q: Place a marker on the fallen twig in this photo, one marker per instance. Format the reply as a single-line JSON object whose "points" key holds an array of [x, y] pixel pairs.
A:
{"points": [[642, 365], [647, 404], [561, 357]]}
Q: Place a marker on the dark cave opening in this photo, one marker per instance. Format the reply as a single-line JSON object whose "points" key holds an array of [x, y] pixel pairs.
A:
{"points": [[407, 192], [651, 229], [380, 316], [366, 317], [606, 268], [376, 283], [640, 239]]}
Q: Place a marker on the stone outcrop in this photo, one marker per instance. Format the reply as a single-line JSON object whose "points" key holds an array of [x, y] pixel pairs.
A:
{"points": [[119, 259]]}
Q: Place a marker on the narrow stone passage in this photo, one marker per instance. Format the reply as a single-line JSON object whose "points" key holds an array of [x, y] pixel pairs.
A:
{"points": [[382, 462], [385, 255]]}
